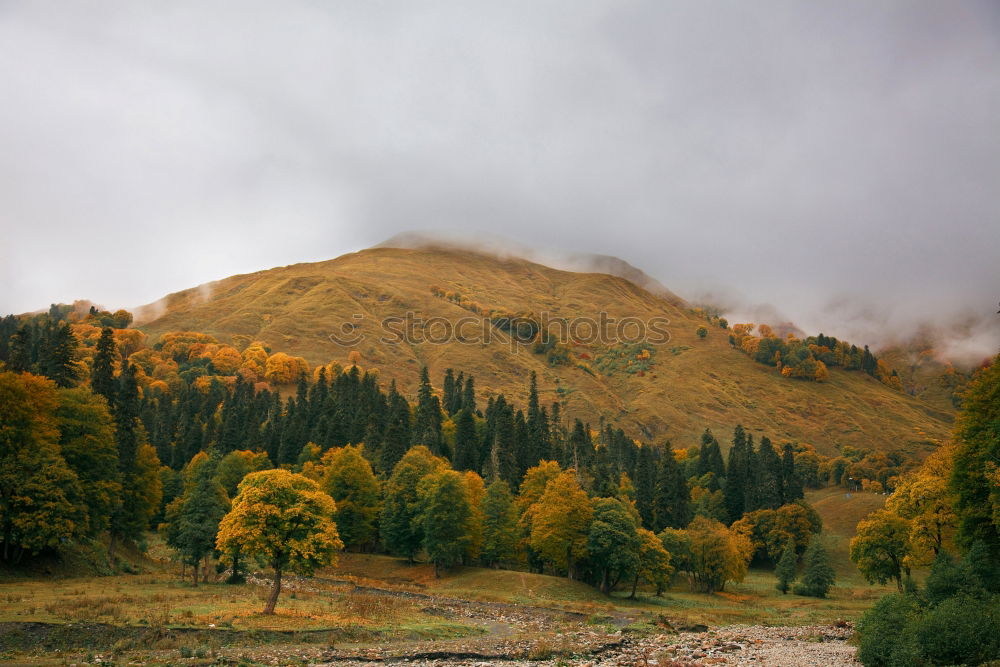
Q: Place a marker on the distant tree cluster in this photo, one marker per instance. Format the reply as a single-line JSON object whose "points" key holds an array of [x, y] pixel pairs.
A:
{"points": [[809, 358]]}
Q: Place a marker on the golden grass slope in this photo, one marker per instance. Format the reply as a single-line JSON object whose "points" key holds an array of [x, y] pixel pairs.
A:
{"points": [[693, 383]]}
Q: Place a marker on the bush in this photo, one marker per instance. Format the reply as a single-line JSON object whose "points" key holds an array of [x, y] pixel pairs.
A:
{"points": [[885, 637], [960, 630]]}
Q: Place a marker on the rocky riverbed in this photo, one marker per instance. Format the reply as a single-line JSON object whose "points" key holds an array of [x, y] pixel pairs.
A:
{"points": [[802, 646]]}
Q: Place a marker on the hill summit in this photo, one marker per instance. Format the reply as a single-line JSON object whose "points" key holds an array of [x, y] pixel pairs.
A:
{"points": [[401, 308]]}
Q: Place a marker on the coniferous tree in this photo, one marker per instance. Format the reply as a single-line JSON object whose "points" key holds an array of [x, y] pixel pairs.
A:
{"points": [[58, 357], [448, 390], [645, 484], [671, 497], [764, 487], [469, 395], [397, 433], [818, 575], [735, 488], [467, 455], [785, 569], [427, 417], [102, 375], [710, 461], [791, 484]]}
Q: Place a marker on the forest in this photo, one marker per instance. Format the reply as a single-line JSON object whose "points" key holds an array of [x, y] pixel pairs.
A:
{"points": [[249, 457]]}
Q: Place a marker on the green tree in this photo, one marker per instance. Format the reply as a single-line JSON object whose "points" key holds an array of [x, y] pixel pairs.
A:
{"points": [[613, 543], [40, 497], [236, 465], [192, 520], [427, 417], [102, 374], [349, 480], [402, 532], [466, 442], [885, 632], [880, 546], [444, 518], [87, 441], [500, 518], [817, 575], [283, 519], [735, 488], [975, 478], [671, 499], [59, 355], [654, 563], [785, 570]]}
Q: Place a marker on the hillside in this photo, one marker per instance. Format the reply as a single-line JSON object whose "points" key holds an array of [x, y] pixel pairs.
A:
{"points": [[690, 384]]}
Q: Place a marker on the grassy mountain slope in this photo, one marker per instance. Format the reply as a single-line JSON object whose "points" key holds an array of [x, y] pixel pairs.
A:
{"points": [[692, 383]]}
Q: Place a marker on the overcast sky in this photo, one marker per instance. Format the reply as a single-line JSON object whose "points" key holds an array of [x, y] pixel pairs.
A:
{"points": [[839, 160]]}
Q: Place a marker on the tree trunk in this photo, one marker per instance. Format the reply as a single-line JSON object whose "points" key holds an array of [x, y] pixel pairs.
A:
{"points": [[111, 547], [635, 584], [272, 599]]}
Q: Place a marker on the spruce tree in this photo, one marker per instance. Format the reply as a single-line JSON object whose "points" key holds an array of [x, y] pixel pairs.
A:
{"points": [[735, 489], [466, 442], [102, 375], [427, 417], [785, 569], [448, 390], [764, 486], [791, 484], [671, 496], [469, 395], [818, 575], [397, 433], [58, 358]]}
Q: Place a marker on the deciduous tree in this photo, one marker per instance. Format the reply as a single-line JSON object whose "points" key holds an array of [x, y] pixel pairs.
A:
{"points": [[283, 519]]}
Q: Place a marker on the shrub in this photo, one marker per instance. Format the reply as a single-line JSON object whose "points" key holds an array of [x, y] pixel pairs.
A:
{"points": [[960, 630], [885, 638]]}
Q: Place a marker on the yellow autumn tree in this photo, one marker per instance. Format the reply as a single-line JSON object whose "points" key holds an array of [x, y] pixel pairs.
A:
{"points": [[560, 521], [923, 498], [717, 554], [282, 368], [226, 360], [254, 361], [283, 519], [475, 491]]}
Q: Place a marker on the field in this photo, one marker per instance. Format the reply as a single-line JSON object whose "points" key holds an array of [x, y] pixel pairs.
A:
{"points": [[379, 604]]}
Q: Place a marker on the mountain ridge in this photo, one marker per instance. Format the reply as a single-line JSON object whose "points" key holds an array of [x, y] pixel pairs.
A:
{"points": [[690, 383]]}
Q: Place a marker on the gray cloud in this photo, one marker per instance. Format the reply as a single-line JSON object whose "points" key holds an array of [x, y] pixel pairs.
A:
{"points": [[830, 158]]}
